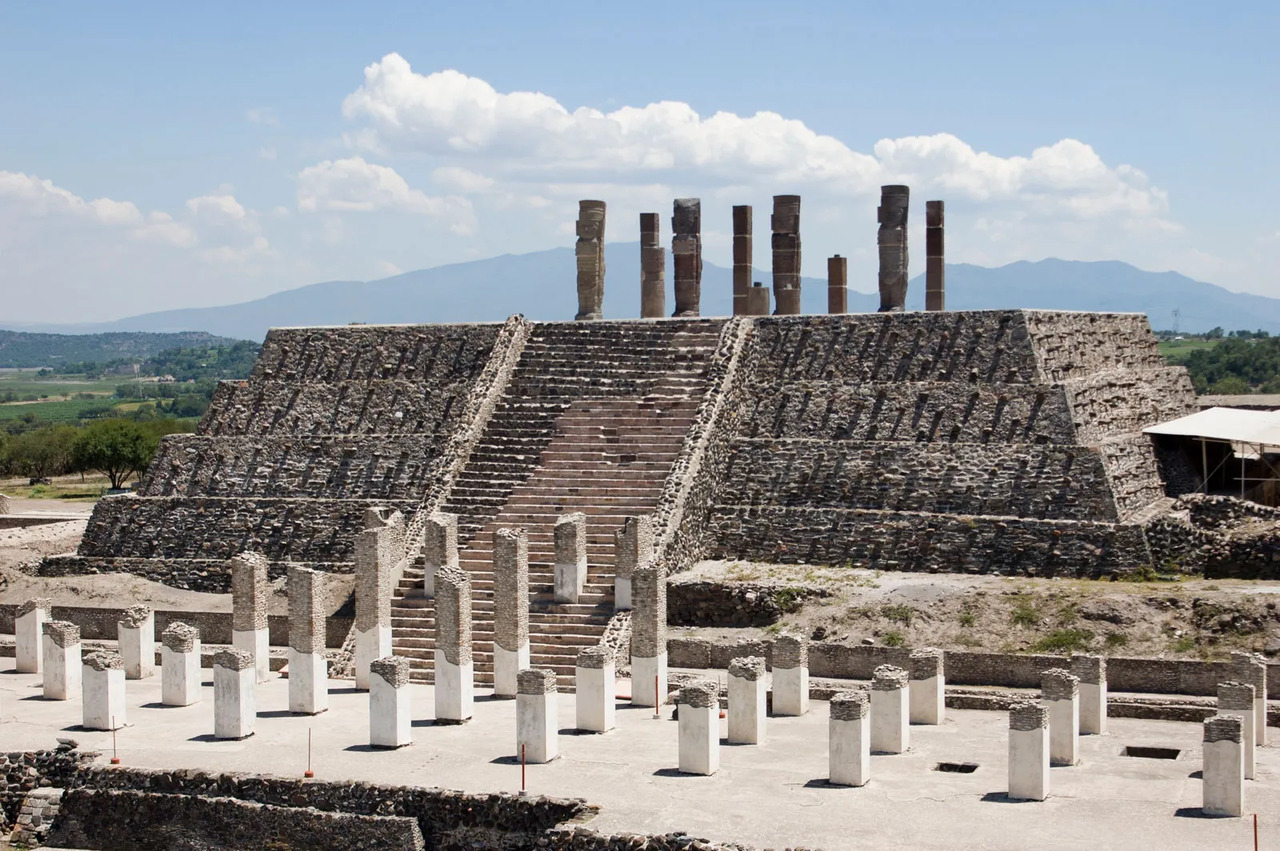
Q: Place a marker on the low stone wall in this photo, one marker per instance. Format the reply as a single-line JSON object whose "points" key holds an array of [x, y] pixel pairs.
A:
{"points": [[207, 575], [22, 771]]}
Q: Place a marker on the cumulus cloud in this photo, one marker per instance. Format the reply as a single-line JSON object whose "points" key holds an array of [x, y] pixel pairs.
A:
{"points": [[354, 185]]}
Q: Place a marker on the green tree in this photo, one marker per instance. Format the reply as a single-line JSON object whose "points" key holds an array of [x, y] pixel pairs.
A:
{"points": [[1230, 386], [116, 448], [43, 452]]}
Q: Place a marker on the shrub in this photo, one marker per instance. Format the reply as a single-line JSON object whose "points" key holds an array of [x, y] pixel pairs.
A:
{"points": [[1025, 615], [893, 638], [1063, 641], [899, 613]]}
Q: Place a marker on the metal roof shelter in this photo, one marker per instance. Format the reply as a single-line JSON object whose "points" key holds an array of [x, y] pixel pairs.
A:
{"points": [[1252, 436]]}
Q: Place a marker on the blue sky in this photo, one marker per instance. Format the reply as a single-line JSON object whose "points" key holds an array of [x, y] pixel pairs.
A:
{"points": [[167, 155]]}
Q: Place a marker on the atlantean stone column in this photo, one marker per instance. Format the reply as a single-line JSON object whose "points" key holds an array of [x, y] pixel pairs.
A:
{"points": [[1236, 699], [786, 254], [632, 546], [686, 254], [890, 710], [60, 660], [136, 637], [28, 625], [653, 269], [1092, 673], [849, 739], [249, 611], [537, 716], [747, 701], [102, 705], [742, 251], [928, 687], [698, 705], [758, 300], [1222, 773], [594, 682], [1252, 669], [390, 710], [308, 668], [892, 240], [1060, 692], [648, 636], [790, 675], [439, 548], [590, 252], [837, 284], [235, 698], [455, 683], [180, 665], [935, 270], [570, 575], [510, 609], [374, 557], [1028, 751]]}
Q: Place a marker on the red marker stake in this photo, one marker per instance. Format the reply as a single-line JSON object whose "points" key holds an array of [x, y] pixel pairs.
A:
{"points": [[1255, 832], [308, 773], [115, 757], [656, 706], [523, 789]]}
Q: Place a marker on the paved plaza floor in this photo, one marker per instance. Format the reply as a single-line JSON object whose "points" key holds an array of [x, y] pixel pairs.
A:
{"points": [[771, 795]]}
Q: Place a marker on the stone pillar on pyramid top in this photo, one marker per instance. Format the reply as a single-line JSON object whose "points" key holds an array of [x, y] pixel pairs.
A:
{"points": [[1222, 774], [758, 300], [510, 609], [390, 709], [892, 242], [374, 563], [837, 284], [180, 665], [790, 675], [439, 548], [60, 660], [1092, 673], [935, 274], [1252, 669], [686, 254], [571, 557], [590, 254], [136, 638], [102, 703], [249, 609], [653, 269], [786, 254], [28, 624], [648, 635], [632, 545], [454, 673], [742, 258], [235, 699], [308, 668]]}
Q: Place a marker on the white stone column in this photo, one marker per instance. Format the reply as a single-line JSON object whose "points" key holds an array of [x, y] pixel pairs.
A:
{"points": [[1222, 773], [374, 554], [102, 703], [136, 637], [632, 547], [1252, 669], [747, 701], [454, 677], [390, 709], [28, 627], [849, 739], [510, 609], [571, 557], [890, 710], [698, 707], [595, 690], [928, 687], [1236, 700], [179, 665], [249, 609], [1060, 692], [439, 548], [1092, 673], [60, 660], [235, 699], [537, 716], [648, 636], [790, 675], [308, 668], [1028, 752]]}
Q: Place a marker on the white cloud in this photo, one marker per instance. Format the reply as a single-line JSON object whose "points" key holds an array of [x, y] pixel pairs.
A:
{"points": [[216, 208], [460, 179], [354, 185]]}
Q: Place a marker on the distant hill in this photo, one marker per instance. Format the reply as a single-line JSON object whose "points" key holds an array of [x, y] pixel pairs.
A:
{"points": [[541, 286], [27, 349]]}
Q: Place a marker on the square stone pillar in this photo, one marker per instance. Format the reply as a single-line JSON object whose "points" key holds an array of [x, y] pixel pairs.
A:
{"points": [[235, 699], [439, 548], [1223, 770], [935, 266], [892, 242], [890, 710], [374, 558], [698, 708], [742, 250], [590, 254], [60, 660], [390, 707], [747, 696], [653, 269], [1252, 669], [1092, 673], [454, 677], [179, 665], [837, 284], [28, 627], [790, 675], [786, 254], [1028, 752], [136, 637], [928, 687], [571, 557], [510, 609], [1060, 692], [1236, 699], [648, 636], [758, 300], [686, 254], [632, 546], [537, 716], [595, 689], [308, 668], [249, 607], [849, 739], [102, 703]]}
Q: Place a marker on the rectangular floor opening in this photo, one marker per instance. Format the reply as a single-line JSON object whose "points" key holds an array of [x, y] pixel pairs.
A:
{"points": [[1145, 752], [957, 767]]}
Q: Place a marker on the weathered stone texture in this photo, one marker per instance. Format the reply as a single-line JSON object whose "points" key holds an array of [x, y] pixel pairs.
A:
{"points": [[105, 660], [1059, 684], [633, 544], [686, 254], [850, 705], [653, 269], [1233, 695], [1089, 669], [700, 694], [511, 588], [453, 614], [234, 660], [536, 681], [892, 242], [925, 663], [786, 254], [180, 637], [889, 678], [1223, 728], [790, 651], [63, 633], [248, 591], [590, 255], [595, 657], [742, 251], [747, 667], [394, 670], [648, 612], [135, 616], [307, 611], [1028, 716], [375, 557], [26, 607]]}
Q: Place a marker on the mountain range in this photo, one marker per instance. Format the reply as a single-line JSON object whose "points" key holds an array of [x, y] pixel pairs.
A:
{"points": [[541, 286]]}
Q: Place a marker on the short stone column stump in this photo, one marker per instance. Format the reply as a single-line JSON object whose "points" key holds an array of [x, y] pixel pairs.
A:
{"points": [[1236, 700], [747, 701], [1223, 770], [849, 739], [102, 702], [235, 699], [1252, 669], [60, 660], [1060, 692], [390, 705], [180, 665], [928, 687], [28, 627], [595, 686], [136, 636], [1028, 751], [537, 716], [249, 611], [698, 707], [1092, 673], [890, 710], [790, 676]]}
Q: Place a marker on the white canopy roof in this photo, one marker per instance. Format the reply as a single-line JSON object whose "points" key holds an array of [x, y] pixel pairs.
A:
{"points": [[1229, 425]]}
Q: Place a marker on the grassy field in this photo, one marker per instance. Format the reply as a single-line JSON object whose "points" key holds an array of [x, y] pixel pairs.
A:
{"points": [[56, 403], [1176, 351], [48, 412], [64, 488]]}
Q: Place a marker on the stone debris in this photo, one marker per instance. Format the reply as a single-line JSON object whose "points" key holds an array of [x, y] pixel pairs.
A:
{"points": [[180, 637], [850, 705], [63, 633]]}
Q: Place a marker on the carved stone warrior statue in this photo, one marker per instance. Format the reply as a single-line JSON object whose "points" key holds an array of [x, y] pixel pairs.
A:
{"points": [[892, 240]]}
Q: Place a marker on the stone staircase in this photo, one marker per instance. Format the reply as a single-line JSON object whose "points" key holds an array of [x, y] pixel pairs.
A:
{"points": [[591, 423]]}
